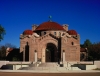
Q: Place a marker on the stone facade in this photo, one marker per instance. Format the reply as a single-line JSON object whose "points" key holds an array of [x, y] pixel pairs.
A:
{"points": [[49, 43]]}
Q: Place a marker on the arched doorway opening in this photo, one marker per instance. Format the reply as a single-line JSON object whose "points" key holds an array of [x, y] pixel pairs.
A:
{"points": [[51, 53]]}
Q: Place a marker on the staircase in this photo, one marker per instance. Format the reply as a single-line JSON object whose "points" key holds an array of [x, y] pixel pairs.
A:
{"points": [[50, 67], [71, 66]]}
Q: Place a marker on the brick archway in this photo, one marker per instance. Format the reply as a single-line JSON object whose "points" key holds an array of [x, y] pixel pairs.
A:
{"points": [[44, 46], [51, 53]]}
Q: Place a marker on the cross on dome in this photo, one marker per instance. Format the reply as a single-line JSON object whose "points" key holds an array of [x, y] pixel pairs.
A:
{"points": [[50, 18]]}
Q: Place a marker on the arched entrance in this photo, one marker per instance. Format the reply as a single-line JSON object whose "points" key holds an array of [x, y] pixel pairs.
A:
{"points": [[51, 53]]}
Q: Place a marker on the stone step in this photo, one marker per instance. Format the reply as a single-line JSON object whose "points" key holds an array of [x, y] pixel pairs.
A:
{"points": [[73, 68], [67, 65], [76, 68], [32, 65], [50, 68], [48, 65]]}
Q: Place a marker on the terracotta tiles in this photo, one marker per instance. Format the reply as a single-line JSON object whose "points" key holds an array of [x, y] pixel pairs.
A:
{"points": [[28, 32], [49, 26], [72, 32]]}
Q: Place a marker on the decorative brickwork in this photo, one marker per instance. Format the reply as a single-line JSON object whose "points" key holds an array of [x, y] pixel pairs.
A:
{"points": [[50, 40]]}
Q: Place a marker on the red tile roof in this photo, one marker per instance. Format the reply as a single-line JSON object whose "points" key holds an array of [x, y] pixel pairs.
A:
{"points": [[49, 26], [72, 32], [28, 32], [9, 49], [82, 49]]}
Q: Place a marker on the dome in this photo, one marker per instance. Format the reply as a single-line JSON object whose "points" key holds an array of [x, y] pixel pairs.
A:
{"points": [[28, 32], [49, 26], [72, 32]]}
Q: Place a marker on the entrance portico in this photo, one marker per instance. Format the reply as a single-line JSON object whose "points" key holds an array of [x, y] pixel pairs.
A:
{"points": [[50, 53]]}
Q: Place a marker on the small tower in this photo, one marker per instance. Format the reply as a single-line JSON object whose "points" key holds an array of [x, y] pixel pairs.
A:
{"points": [[65, 26], [34, 26]]}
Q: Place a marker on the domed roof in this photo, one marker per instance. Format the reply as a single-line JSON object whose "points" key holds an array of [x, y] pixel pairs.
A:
{"points": [[72, 32], [49, 26], [28, 32]]}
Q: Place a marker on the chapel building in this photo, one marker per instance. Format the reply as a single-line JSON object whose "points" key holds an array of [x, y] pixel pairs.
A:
{"points": [[50, 42]]}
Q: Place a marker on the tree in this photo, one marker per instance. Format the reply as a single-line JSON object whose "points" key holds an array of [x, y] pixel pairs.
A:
{"points": [[2, 32], [95, 51], [87, 43], [3, 49], [2, 53], [9, 45]]}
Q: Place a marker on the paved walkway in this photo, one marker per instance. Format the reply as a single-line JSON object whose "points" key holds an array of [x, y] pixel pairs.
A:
{"points": [[49, 74], [52, 71]]}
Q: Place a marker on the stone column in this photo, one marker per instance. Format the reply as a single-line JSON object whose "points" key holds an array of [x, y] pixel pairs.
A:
{"points": [[35, 56], [43, 55], [23, 54], [63, 56]]}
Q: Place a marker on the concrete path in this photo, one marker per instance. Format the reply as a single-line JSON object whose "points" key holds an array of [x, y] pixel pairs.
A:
{"points": [[49, 74], [52, 71]]}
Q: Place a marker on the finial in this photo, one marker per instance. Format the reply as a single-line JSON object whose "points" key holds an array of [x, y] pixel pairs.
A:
{"points": [[50, 18]]}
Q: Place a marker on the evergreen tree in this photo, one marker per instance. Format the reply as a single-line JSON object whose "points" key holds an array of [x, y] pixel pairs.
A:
{"points": [[2, 32], [87, 43]]}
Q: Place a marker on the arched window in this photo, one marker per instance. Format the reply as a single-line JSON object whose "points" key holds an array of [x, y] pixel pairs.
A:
{"points": [[59, 34], [44, 33], [54, 33], [72, 43]]}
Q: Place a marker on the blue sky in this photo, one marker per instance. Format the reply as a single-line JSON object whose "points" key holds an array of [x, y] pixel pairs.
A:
{"points": [[19, 15]]}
